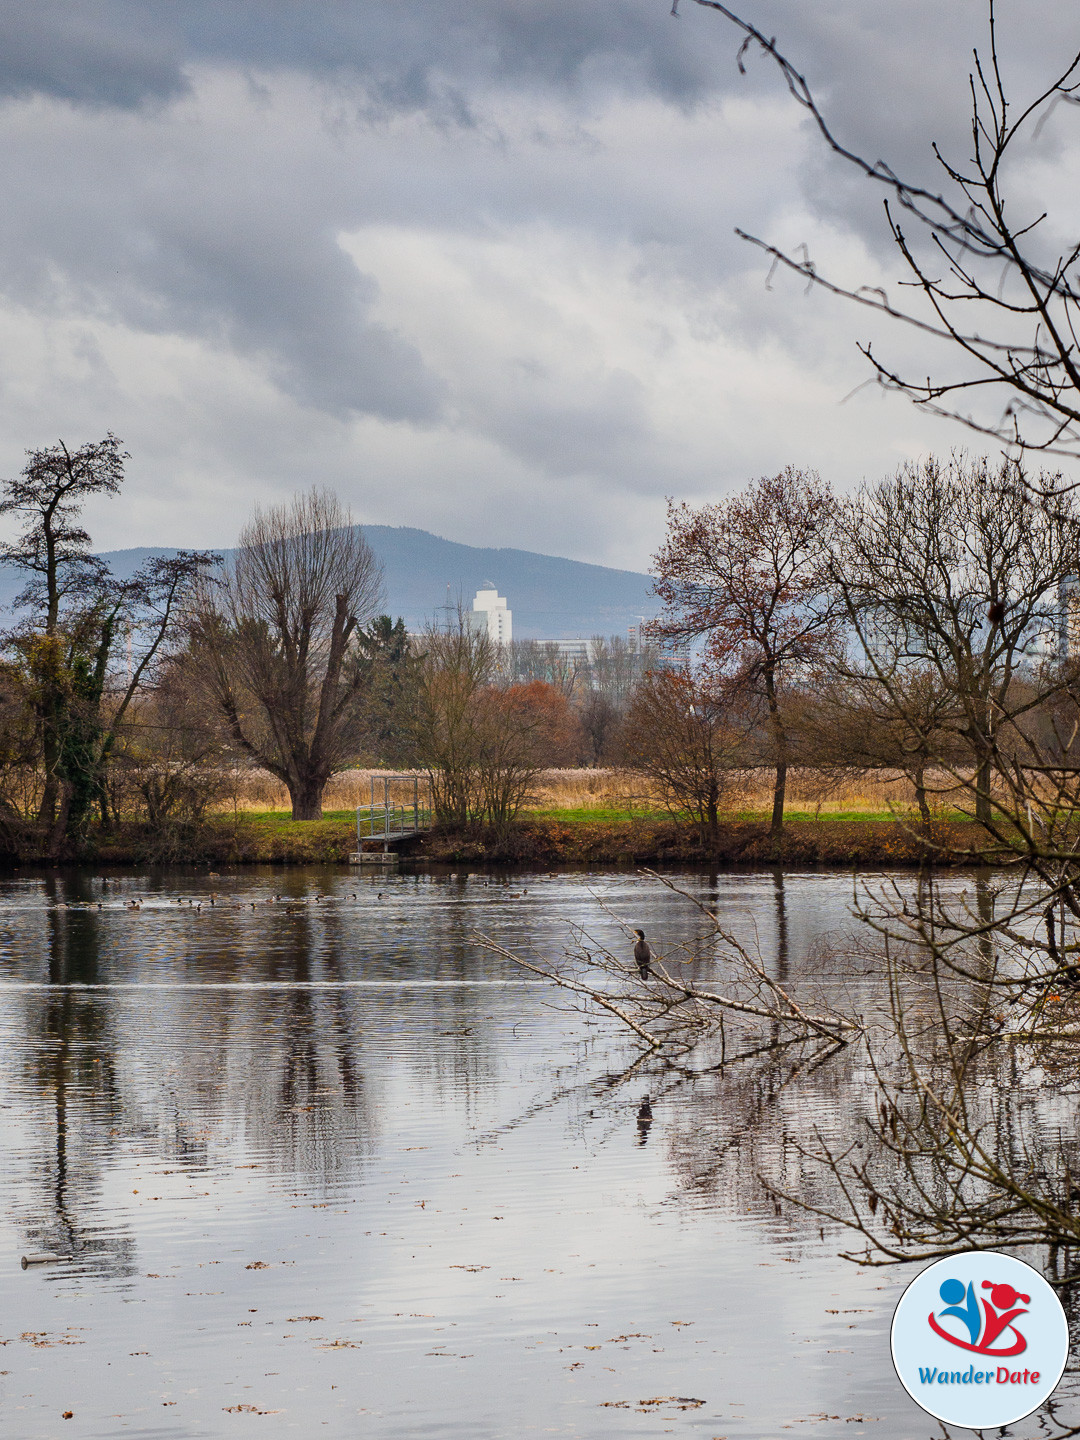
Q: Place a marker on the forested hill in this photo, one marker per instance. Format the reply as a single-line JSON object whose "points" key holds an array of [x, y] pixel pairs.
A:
{"points": [[549, 596]]}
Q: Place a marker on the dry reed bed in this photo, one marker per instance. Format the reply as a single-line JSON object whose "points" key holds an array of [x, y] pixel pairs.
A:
{"points": [[821, 792]]}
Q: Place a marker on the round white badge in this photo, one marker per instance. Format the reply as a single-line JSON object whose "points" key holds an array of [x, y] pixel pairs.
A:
{"points": [[979, 1339]]}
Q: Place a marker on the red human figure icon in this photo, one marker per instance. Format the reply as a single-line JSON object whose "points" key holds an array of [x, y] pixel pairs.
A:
{"points": [[1001, 1296]]}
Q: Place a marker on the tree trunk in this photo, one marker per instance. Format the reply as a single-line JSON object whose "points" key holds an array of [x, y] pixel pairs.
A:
{"points": [[780, 750], [712, 812], [306, 796], [918, 778], [59, 830], [983, 807], [47, 808], [50, 755], [779, 787]]}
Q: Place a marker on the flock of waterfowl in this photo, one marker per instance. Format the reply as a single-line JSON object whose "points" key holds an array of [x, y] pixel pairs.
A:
{"points": [[643, 952], [292, 904]]}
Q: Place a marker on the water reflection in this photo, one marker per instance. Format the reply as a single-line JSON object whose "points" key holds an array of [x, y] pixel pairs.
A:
{"points": [[644, 1120], [309, 1150], [783, 973]]}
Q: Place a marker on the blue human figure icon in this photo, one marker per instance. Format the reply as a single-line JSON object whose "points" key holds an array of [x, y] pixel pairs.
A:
{"points": [[953, 1293]]}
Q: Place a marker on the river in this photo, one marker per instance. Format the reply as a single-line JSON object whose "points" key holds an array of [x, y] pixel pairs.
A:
{"points": [[306, 1160]]}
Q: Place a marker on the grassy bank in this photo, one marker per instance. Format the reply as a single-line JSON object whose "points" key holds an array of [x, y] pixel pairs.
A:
{"points": [[845, 843], [249, 838], [272, 837]]}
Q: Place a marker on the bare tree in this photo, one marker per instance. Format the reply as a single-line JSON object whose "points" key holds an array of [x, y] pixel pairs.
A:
{"points": [[894, 714], [750, 575], [966, 1066], [682, 735], [483, 746], [669, 1015], [276, 637], [524, 661], [954, 569], [457, 663], [983, 275], [616, 667], [516, 738]]}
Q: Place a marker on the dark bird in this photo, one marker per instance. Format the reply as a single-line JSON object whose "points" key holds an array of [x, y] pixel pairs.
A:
{"points": [[643, 954]]}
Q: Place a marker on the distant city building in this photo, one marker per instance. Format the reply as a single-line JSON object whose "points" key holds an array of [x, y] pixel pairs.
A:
{"points": [[676, 652], [1069, 618], [638, 642], [577, 649], [489, 613]]}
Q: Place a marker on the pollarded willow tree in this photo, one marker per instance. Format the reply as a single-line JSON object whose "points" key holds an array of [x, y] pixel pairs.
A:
{"points": [[750, 577], [275, 641]]}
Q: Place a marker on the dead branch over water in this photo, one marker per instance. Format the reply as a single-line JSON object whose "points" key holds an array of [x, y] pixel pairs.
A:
{"points": [[951, 1080], [670, 1013]]}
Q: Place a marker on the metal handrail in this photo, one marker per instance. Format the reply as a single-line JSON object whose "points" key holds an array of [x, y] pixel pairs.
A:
{"points": [[391, 819], [375, 821]]}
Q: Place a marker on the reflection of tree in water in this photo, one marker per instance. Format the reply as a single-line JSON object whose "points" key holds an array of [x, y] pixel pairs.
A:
{"points": [[73, 1070], [740, 1132], [644, 1121], [197, 1080], [277, 1072], [279, 1069], [463, 1060], [840, 1132]]}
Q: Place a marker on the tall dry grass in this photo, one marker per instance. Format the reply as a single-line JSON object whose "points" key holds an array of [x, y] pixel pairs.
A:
{"points": [[246, 790], [749, 791], [819, 792]]}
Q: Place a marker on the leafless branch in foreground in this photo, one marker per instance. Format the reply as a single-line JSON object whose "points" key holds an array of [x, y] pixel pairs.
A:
{"points": [[672, 1012], [984, 275]]}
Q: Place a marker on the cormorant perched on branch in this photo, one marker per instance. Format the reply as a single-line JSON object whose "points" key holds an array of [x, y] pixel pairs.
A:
{"points": [[643, 954]]}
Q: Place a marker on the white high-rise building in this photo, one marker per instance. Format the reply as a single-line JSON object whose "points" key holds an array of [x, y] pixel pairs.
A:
{"points": [[489, 611]]}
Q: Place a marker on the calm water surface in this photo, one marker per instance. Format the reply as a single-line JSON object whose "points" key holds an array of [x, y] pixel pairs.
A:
{"points": [[320, 1165]]}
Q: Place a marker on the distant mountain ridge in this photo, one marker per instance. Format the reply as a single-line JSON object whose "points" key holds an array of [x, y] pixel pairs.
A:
{"points": [[550, 597]]}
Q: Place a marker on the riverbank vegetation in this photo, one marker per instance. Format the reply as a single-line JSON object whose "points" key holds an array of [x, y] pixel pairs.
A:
{"points": [[877, 679]]}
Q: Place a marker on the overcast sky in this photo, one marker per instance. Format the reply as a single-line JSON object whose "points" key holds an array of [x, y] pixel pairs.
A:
{"points": [[471, 263]]}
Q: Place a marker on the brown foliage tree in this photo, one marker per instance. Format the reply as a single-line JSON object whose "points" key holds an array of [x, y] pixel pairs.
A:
{"points": [[482, 746], [750, 575], [547, 714]]}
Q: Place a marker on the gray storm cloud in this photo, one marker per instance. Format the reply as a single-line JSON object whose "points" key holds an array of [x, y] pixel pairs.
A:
{"points": [[471, 262]]}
